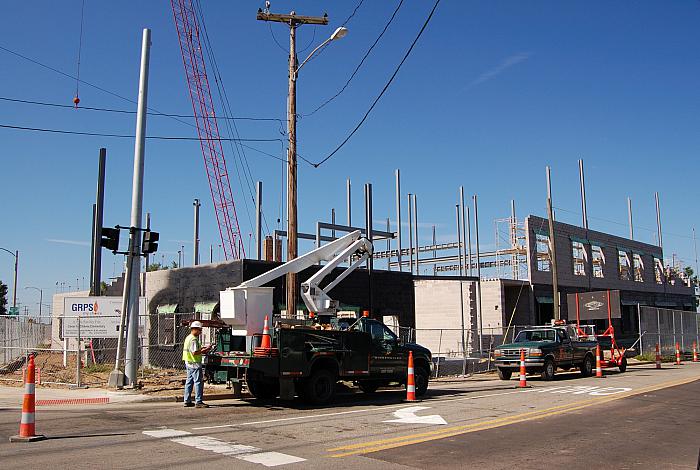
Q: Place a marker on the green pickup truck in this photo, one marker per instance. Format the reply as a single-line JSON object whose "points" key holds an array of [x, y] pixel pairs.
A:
{"points": [[547, 348]]}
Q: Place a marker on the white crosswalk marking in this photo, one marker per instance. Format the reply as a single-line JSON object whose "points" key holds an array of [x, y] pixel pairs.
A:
{"points": [[211, 444]]}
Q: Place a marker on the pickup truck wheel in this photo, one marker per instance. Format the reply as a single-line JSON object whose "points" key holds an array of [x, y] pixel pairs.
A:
{"points": [[549, 369], [623, 365], [587, 366], [422, 377], [263, 390], [504, 374], [368, 386], [320, 387]]}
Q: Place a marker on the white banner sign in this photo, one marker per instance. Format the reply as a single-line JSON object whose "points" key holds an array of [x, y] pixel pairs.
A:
{"points": [[99, 316]]}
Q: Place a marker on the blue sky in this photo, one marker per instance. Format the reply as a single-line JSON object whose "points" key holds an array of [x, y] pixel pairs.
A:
{"points": [[493, 92]]}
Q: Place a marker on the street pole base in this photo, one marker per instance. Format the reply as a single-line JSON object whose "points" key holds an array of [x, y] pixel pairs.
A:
{"points": [[117, 379], [38, 437]]}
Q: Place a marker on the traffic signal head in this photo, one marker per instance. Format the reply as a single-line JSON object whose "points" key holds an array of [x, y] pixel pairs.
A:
{"points": [[150, 242], [110, 238]]}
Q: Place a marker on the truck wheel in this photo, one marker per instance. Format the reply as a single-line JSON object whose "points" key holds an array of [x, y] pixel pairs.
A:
{"points": [[320, 387], [422, 377], [263, 390], [623, 364], [587, 366], [368, 386], [549, 369], [504, 374]]}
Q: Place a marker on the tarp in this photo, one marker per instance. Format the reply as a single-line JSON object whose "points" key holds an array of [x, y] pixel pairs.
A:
{"points": [[166, 309], [545, 300]]}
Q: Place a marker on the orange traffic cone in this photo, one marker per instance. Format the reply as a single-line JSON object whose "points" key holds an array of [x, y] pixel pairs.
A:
{"points": [[695, 352], [658, 357], [266, 343], [678, 354], [27, 429], [523, 371], [598, 368], [411, 380]]}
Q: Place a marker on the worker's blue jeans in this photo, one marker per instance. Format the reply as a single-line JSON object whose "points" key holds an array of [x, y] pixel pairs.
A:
{"points": [[195, 377]]}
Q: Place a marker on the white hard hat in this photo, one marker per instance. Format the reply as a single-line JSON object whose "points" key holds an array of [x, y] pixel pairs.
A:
{"points": [[196, 324]]}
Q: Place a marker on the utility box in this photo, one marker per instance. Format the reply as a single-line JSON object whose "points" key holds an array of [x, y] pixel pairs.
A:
{"points": [[245, 308]]}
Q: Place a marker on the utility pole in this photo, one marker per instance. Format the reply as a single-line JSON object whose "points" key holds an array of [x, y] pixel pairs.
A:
{"points": [[584, 213], [293, 21], [658, 221], [258, 220], [629, 217], [552, 249], [96, 267], [195, 257]]}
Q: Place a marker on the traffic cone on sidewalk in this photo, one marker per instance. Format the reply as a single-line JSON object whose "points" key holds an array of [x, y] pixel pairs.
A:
{"points": [[695, 352], [266, 343], [411, 380], [678, 354], [658, 357], [523, 372], [27, 429], [598, 368]]}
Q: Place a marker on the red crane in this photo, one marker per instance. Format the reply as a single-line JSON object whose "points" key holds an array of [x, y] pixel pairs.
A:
{"points": [[187, 27]]}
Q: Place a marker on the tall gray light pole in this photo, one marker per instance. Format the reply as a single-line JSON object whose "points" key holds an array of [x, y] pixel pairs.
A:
{"points": [[96, 280], [14, 287], [41, 296], [629, 217], [398, 219], [552, 247], [582, 181], [133, 264], [258, 220], [195, 258]]}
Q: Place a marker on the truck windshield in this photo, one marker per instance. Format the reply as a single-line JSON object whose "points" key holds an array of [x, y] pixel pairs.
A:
{"points": [[535, 335]]}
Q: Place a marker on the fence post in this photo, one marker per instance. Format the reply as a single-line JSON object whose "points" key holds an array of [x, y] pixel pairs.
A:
{"points": [[639, 319], [682, 332], [77, 359], [437, 364]]}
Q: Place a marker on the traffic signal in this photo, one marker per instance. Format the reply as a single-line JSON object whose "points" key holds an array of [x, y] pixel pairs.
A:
{"points": [[150, 242], [110, 238]]}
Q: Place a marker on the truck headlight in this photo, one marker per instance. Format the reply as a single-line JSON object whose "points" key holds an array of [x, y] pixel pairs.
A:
{"points": [[534, 352], [497, 353]]}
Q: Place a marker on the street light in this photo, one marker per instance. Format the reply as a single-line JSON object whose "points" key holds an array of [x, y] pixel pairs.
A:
{"points": [[14, 288], [339, 33], [41, 297]]}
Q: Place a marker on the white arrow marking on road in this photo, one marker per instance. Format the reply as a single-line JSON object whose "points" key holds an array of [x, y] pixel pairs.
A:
{"points": [[408, 416]]}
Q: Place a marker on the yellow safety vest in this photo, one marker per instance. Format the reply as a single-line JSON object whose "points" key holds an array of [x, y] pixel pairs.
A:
{"points": [[187, 355]]}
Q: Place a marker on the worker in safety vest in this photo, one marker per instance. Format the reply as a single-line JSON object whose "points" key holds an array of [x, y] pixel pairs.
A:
{"points": [[192, 352]]}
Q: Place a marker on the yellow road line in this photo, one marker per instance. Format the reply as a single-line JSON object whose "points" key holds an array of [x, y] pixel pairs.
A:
{"points": [[383, 444]]}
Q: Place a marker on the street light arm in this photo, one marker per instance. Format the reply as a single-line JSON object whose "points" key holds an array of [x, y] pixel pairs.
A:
{"points": [[296, 72], [10, 252]]}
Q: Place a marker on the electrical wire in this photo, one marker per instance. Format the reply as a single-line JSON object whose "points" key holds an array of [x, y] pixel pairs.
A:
{"points": [[396, 10], [76, 100], [128, 136], [388, 83], [127, 111]]}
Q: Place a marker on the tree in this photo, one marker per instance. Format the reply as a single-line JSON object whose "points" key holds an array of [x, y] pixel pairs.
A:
{"points": [[154, 267], [3, 298]]}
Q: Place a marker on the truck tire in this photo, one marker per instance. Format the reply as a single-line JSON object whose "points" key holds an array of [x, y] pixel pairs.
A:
{"points": [[320, 387], [368, 386], [623, 365], [422, 378], [263, 390], [586, 366], [504, 374], [549, 369]]}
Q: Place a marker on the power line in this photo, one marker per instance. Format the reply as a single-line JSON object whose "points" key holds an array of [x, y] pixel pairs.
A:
{"points": [[391, 79], [127, 111], [396, 10], [128, 136]]}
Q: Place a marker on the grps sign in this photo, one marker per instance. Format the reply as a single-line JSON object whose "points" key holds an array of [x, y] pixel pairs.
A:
{"points": [[99, 316]]}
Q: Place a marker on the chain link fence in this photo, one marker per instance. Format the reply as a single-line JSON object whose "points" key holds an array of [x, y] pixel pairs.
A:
{"points": [[667, 328]]}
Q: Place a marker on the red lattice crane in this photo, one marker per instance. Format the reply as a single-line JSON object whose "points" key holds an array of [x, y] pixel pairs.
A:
{"points": [[187, 26]]}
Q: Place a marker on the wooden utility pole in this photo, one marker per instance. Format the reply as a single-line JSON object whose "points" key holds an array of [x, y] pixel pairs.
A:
{"points": [[293, 21], [552, 248]]}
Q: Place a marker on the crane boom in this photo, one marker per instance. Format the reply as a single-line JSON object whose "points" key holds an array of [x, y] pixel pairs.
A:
{"points": [[187, 26]]}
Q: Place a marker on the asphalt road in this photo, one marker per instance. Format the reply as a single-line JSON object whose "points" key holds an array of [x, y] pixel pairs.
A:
{"points": [[642, 419]]}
